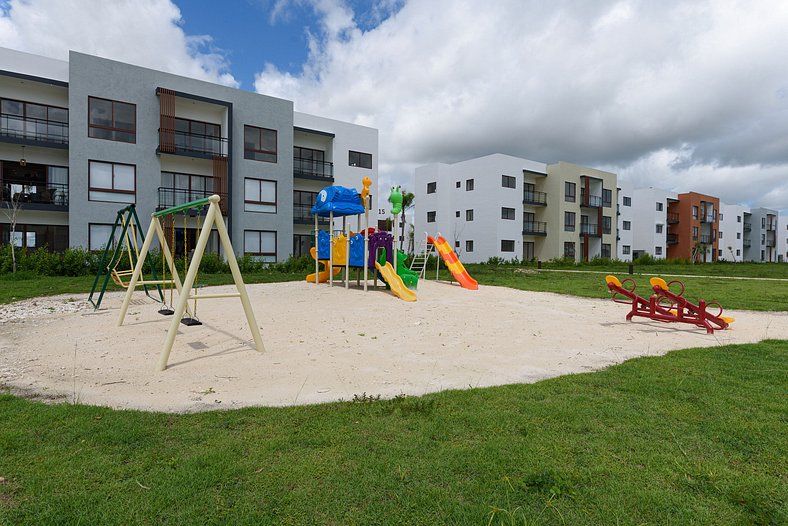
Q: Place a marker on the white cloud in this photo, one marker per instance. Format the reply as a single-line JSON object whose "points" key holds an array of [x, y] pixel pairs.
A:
{"points": [[142, 32], [688, 95]]}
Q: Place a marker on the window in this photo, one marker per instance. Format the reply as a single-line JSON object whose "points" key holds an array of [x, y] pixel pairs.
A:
{"points": [[431, 187], [259, 195], [738, 219], [606, 250], [569, 249], [719, 253], [721, 218], [98, 236], [507, 245], [659, 207], [112, 120], [507, 181], [360, 159], [657, 251], [763, 222], [456, 244], [178, 188], [626, 249], [311, 163], [469, 246], [738, 235], [469, 215], [507, 213], [607, 197], [35, 121], [569, 221], [738, 252], [260, 144], [468, 185], [458, 184], [570, 192], [659, 229], [627, 201], [261, 244], [694, 212], [607, 224], [456, 213], [763, 239], [430, 217], [112, 182], [627, 225], [694, 232]]}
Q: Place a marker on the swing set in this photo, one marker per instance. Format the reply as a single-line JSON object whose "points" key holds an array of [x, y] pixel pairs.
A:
{"points": [[187, 290], [129, 224]]}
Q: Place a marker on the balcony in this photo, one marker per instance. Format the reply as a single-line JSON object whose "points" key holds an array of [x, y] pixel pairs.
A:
{"points": [[303, 216], [188, 144], [534, 228], [708, 218], [590, 229], [304, 168], [748, 227], [672, 239], [706, 239], [746, 243], [49, 196], [33, 132], [534, 198], [771, 243], [169, 197], [672, 218], [590, 201], [771, 225]]}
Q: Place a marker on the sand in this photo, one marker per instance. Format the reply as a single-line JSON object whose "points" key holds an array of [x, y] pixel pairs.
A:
{"points": [[325, 344]]}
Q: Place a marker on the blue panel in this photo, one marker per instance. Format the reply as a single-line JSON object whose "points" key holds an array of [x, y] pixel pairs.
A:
{"points": [[339, 200]]}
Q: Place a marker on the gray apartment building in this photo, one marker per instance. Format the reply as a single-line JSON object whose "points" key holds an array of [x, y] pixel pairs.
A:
{"points": [[81, 139]]}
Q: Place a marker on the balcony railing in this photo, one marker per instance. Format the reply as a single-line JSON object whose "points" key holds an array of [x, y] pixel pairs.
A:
{"points": [[534, 198], [534, 228], [590, 229], [312, 169], [52, 194], [191, 144], [771, 225], [33, 130], [303, 216], [708, 218], [672, 239], [592, 201], [706, 239], [169, 197], [672, 218], [746, 243], [747, 227]]}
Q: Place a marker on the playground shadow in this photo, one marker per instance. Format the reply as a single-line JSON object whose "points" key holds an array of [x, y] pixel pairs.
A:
{"points": [[651, 326], [241, 345]]}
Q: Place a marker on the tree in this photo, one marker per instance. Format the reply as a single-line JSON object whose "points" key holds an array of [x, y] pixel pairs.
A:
{"points": [[11, 211]]}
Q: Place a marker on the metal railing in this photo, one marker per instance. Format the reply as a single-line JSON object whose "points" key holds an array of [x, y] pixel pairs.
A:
{"points": [[672, 239], [313, 169], [534, 198], [708, 218], [772, 225], [531, 228], [302, 215], [42, 130], [706, 239], [170, 197], [590, 229], [747, 227], [672, 218], [746, 243], [771, 243], [185, 143], [592, 201], [55, 194]]}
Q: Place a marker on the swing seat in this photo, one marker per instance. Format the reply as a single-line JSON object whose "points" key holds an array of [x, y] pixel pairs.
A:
{"points": [[117, 277]]}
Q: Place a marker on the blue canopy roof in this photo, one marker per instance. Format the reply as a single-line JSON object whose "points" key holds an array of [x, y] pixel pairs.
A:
{"points": [[339, 200]]}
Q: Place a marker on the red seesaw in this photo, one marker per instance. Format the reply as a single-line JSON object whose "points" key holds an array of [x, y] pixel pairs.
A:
{"points": [[665, 305]]}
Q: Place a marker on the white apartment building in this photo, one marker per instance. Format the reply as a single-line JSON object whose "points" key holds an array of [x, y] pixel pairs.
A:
{"points": [[782, 239], [626, 218], [643, 221], [731, 235], [760, 235], [509, 207]]}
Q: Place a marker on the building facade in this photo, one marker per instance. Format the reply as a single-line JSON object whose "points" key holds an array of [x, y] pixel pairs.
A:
{"points": [[760, 235], [83, 138], [693, 226], [507, 207]]}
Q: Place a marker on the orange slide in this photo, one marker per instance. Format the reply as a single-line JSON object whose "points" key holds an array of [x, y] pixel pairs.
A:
{"points": [[453, 262]]}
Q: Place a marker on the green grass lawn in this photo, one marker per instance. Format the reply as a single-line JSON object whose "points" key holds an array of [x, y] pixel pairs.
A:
{"points": [[693, 437]]}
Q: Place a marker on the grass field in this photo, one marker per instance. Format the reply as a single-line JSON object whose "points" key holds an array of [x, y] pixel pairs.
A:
{"points": [[696, 436]]}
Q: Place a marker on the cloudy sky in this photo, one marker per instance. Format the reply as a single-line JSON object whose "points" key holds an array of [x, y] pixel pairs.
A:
{"points": [[682, 95]]}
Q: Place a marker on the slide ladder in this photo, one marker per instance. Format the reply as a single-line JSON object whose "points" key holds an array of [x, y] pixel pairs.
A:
{"points": [[419, 263]]}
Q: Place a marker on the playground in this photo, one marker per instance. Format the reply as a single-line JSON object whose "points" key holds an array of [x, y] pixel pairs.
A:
{"points": [[327, 343]]}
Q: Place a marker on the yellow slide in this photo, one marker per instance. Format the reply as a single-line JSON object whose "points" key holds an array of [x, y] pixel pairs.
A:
{"points": [[322, 276], [395, 282]]}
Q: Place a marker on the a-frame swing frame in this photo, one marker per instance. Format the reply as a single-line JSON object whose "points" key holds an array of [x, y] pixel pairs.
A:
{"points": [[213, 218], [129, 223]]}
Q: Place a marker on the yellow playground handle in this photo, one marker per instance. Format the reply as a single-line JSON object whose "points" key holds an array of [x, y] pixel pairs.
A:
{"points": [[658, 282], [612, 279]]}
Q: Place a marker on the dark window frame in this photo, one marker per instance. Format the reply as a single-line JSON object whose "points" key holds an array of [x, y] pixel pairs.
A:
{"points": [[469, 185], [259, 193], [112, 190], [626, 201], [569, 226], [469, 245], [114, 129], [469, 214], [508, 181], [263, 254], [509, 214], [431, 218], [432, 187], [570, 196], [257, 153], [360, 158], [507, 241]]}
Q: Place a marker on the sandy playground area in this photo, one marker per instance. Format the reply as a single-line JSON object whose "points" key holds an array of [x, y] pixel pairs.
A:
{"points": [[325, 344]]}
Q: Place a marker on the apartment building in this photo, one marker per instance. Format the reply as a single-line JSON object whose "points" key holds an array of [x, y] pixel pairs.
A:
{"points": [[83, 138], [509, 207], [760, 235], [731, 234], [626, 217], [693, 223], [782, 239]]}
